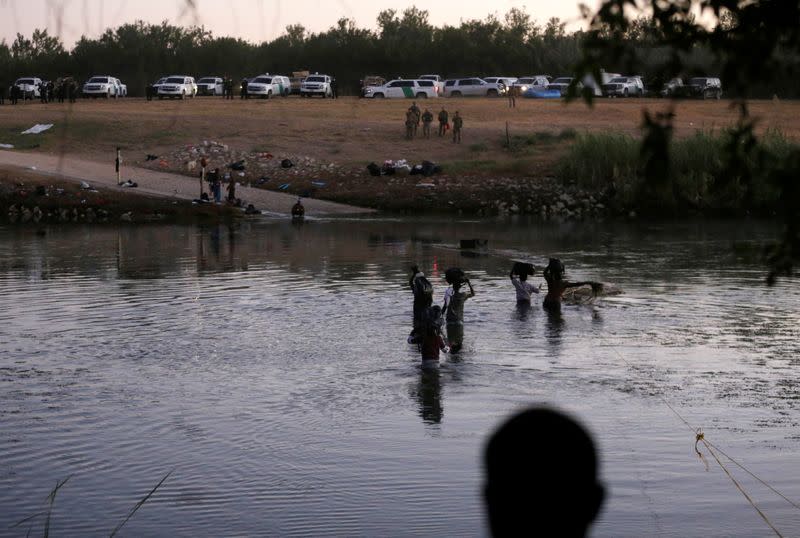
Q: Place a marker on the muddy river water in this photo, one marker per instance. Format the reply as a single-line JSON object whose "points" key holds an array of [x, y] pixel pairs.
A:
{"points": [[266, 366]]}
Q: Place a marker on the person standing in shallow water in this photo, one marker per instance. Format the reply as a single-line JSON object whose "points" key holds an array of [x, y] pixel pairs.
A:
{"points": [[556, 285], [423, 299], [453, 309], [541, 477], [519, 278]]}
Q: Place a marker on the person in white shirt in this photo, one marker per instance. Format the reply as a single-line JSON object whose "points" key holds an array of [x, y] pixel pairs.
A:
{"points": [[519, 278]]}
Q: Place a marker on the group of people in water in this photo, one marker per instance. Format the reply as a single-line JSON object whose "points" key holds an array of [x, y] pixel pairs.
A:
{"points": [[430, 318]]}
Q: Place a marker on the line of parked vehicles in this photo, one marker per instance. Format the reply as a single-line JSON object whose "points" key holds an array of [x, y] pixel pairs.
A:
{"points": [[306, 84], [535, 86], [97, 86]]}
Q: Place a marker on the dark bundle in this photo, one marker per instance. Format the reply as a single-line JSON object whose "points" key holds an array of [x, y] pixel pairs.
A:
{"points": [[522, 268], [454, 275]]}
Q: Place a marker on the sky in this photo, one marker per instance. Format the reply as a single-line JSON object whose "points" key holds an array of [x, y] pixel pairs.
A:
{"points": [[252, 20]]}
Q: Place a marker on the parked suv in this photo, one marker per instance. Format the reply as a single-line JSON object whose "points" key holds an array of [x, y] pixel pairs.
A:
{"points": [[210, 86], [505, 81], [177, 86], [316, 84], [705, 87], [472, 86], [524, 84], [410, 88], [101, 86], [624, 87], [267, 86], [28, 87], [561, 84]]}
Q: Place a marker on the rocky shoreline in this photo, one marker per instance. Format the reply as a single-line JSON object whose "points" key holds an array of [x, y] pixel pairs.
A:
{"points": [[27, 198]]}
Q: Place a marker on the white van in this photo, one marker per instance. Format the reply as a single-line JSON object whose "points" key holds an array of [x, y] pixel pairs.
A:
{"points": [[266, 86], [177, 86]]}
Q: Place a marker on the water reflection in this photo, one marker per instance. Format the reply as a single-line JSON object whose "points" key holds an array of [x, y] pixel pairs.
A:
{"points": [[429, 395], [281, 348]]}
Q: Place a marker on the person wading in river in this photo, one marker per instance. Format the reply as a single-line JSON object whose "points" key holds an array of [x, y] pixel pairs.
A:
{"points": [[556, 285]]}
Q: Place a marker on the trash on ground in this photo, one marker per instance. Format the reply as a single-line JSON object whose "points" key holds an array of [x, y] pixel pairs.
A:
{"points": [[38, 128], [85, 185], [6, 146], [318, 183], [284, 186], [129, 184]]}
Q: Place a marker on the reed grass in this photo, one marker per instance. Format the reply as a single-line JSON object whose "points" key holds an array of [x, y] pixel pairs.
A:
{"points": [[698, 175]]}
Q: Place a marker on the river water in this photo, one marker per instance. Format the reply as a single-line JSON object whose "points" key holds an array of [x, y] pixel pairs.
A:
{"points": [[265, 366]]}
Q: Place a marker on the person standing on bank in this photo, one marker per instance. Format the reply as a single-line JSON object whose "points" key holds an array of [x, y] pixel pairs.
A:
{"points": [[443, 121], [427, 119], [458, 123]]}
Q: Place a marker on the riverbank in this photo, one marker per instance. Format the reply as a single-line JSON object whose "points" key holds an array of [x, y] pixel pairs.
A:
{"points": [[511, 161]]}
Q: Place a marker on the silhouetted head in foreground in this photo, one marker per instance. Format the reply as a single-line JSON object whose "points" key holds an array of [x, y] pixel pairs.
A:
{"points": [[541, 476]]}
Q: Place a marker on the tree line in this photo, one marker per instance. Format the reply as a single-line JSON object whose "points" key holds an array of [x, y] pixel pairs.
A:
{"points": [[403, 44]]}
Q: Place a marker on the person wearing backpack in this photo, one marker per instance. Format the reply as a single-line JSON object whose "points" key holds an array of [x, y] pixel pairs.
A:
{"points": [[453, 307], [423, 298]]}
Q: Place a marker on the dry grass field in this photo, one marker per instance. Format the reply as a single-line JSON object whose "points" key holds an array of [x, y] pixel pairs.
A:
{"points": [[348, 130], [352, 132]]}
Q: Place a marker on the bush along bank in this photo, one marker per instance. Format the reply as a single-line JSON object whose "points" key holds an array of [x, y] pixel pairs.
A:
{"points": [[697, 177]]}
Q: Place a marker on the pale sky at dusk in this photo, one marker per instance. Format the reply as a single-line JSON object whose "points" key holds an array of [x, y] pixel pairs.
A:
{"points": [[252, 20]]}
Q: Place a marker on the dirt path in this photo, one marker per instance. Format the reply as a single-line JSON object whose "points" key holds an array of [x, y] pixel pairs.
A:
{"points": [[161, 183]]}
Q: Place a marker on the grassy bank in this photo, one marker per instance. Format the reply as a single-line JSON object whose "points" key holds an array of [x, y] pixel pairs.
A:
{"points": [[698, 176]]}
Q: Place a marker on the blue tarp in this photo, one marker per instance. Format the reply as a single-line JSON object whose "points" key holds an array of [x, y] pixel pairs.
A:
{"points": [[538, 93]]}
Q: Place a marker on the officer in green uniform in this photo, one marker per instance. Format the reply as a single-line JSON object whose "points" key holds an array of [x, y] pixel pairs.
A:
{"points": [[410, 122], [443, 118], [427, 119], [457, 124], [414, 109]]}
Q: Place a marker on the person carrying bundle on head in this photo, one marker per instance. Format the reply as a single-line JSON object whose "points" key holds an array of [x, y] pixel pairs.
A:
{"points": [[519, 278], [423, 299], [453, 306], [556, 285]]}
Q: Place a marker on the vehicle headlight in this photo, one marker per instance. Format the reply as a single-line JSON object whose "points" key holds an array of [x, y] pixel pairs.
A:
{"points": [[524, 88]]}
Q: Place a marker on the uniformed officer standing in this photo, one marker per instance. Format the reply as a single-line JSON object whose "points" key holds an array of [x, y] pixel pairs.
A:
{"points": [[443, 119], [457, 124], [244, 88], [409, 124], [14, 94], [427, 119], [414, 109]]}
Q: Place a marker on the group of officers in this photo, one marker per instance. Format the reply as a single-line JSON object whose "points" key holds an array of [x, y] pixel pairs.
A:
{"points": [[61, 90], [414, 115]]}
